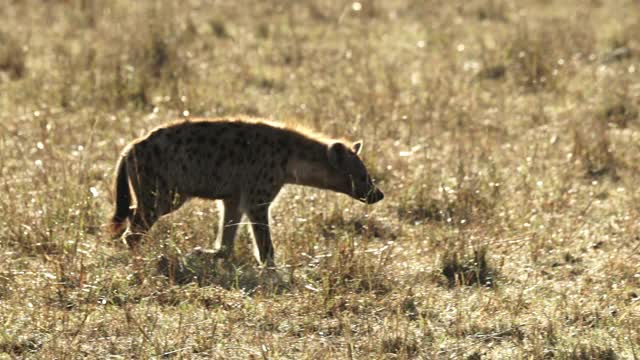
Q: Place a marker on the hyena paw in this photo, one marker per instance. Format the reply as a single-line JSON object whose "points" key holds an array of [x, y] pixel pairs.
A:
{"points": [[116, 229]]}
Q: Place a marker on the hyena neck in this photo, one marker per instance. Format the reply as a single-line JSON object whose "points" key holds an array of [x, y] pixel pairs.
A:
{"points": [[308, 164]]}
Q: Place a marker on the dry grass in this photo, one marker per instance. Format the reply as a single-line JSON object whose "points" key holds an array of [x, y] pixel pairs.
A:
{"points": [[504, 133]]}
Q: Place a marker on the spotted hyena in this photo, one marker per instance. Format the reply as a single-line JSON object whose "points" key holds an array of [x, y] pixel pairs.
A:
{"points": [[243, 163]]}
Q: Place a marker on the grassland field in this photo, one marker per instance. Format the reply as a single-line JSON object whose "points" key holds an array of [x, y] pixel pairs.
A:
{"points": [[504, 133]]}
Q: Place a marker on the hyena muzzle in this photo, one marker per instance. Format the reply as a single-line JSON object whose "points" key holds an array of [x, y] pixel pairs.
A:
{"points": [[242, 163]]}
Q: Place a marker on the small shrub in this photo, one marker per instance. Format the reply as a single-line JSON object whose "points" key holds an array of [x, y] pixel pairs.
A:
{"points": [[21, 346], [591, 352], [398, 345], [474, 356], [468, 270], [618, 54], [365, 226], [158, 54], [352, 268], [429, 209], [461, 208], [494, 10], [263, 31], [530, 55], [624, 43], [493, 72], [6, 285], [592, 149], [219, 28], [12, 57], [620, 114], [136, 69], [409, 308], [535, 52]]}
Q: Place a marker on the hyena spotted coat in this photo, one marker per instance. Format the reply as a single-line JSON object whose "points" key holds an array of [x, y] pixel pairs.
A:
{"points": [[243, 163]]}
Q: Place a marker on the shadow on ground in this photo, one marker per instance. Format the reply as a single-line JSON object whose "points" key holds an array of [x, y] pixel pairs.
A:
{"points": [[208, 267]]}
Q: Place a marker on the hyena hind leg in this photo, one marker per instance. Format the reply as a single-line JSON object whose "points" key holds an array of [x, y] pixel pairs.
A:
{"points": [[139, 223], [263, 246], [147, 214]]}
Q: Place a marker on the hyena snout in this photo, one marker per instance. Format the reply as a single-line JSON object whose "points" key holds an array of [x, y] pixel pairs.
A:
{"points": [[374, 196], [368, 193]]}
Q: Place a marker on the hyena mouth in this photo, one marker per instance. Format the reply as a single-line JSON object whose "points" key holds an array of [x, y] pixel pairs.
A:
{"points": [[373, 197]]}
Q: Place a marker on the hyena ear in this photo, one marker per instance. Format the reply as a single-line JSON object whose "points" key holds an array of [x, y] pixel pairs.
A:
{"points": [[336, 154], [357, 147]]}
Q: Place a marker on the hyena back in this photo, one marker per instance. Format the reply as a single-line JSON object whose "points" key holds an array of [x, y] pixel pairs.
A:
{"points": [[242, 163]]}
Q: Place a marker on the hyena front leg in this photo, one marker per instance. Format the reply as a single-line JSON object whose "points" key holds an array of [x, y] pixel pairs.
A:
{"points": [[230, 217], [263, 247]]}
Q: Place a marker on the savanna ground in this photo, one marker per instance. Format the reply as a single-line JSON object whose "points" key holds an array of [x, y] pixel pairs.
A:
{"points": [[505, 135]]}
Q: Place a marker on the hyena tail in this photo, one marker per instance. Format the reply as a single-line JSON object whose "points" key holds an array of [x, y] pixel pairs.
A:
{"points": [[122, 198]]}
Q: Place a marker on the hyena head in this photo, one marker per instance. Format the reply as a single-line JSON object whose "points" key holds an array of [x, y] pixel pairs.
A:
{"points": [[350, 176]]}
